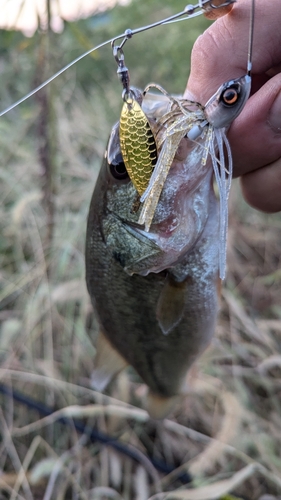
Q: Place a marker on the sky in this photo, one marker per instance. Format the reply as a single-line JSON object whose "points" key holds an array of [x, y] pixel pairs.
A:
{"points": [[23, 14]]}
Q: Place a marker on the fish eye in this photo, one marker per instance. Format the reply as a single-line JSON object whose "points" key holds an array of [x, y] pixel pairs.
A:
{"points": [[118, 169], [230, 96]]}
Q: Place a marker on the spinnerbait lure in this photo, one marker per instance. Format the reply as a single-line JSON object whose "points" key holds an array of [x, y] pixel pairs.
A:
{"points": [[138, 145]]}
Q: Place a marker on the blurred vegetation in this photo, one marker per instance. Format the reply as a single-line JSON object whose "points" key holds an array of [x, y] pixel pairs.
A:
{"points": [[161, 54], [50, 152]]}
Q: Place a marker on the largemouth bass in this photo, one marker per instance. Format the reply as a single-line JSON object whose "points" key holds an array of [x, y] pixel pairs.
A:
{"points": [[156, 290]]}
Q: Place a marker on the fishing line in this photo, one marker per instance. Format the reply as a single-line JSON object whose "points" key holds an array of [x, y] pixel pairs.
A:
{"points": [[42, 85], [189, 10], [90, 51], [94, 435]]}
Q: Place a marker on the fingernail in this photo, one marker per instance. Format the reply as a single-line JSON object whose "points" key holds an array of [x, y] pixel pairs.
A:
{"points": [[274, 117]]}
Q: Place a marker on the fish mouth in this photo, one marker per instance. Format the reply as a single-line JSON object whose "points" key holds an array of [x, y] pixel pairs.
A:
{"points": [[152, 252], [175, 226], [160, 250], [182, 208], [179, 221]]}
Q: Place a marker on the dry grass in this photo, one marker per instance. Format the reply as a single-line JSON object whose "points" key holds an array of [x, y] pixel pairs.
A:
{"points": [[227, 432]]}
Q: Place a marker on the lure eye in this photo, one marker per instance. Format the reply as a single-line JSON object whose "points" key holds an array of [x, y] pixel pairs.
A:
{"points": [[230, 96], [118, 169]]}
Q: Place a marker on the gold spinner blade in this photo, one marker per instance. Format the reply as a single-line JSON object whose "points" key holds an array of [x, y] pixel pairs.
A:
{"points": [[137, 144]]}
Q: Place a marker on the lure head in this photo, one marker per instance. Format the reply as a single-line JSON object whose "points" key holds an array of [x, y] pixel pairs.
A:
{"points": [[227, 103]]}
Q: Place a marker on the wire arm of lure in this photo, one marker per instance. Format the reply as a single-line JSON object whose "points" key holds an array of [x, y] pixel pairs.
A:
{"points": [[189, 11], [251, 37], [213, 6], [205, 8]]}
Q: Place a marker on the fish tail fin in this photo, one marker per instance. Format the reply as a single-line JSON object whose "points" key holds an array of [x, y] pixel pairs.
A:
{"points": [[159, 407], [108, 362]]}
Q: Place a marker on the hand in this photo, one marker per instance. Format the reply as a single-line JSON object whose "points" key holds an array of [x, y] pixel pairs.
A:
{"points": [[255, 136]]}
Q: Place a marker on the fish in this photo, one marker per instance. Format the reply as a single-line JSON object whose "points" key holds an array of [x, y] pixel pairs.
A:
{"points": [[156, 288]]}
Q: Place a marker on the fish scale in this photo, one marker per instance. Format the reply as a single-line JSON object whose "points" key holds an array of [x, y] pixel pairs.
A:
{"points": [[137, 144]]}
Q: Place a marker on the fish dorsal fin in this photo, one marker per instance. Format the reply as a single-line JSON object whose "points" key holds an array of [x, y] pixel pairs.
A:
{"points": [[170, 306], [108, 362]]}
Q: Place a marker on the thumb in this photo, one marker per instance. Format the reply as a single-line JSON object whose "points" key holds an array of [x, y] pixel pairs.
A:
{"points": [[255, 139], [255, 135]]}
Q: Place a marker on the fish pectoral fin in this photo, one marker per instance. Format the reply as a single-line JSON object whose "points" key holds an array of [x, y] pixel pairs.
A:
{"points": [[159, 407], [170, 306], [108, 362]]}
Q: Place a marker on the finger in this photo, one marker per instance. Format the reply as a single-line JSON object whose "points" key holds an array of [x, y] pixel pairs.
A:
{"points": [[262, 188], [221, 52], [255, 136]]}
